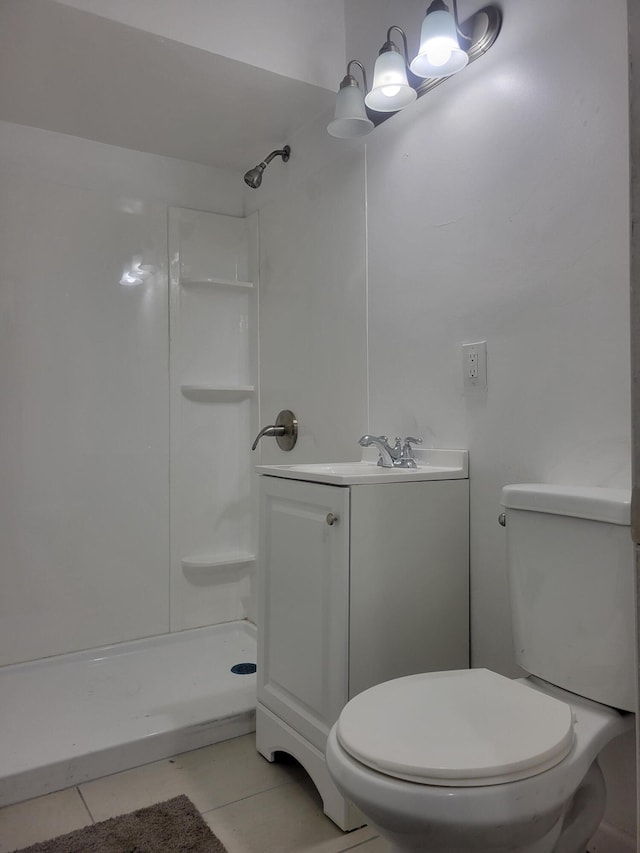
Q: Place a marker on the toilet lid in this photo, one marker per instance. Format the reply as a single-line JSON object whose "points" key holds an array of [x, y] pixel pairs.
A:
{"points": [[462, 728]]}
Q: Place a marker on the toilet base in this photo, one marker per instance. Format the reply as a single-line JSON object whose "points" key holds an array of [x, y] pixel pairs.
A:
{"points": [[570, 834], [548, 844]]}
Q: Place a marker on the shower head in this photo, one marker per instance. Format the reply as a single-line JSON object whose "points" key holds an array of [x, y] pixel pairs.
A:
{"points": [[253, 178]]}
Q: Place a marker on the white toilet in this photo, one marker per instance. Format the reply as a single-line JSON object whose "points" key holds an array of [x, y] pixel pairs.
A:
{"points": [[471, 761]]}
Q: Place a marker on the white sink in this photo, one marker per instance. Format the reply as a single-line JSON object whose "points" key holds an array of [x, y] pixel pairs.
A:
{"points": [[432, 465]]}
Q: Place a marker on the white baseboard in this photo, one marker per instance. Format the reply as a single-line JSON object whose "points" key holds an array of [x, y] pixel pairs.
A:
{"points": [[608, 839]]}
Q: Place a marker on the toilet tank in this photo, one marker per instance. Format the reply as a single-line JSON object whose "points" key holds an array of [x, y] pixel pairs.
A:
{"points": [[571, 570]]}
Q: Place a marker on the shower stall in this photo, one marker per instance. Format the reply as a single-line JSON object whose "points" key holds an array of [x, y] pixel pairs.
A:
{"points": [[128, 374]]}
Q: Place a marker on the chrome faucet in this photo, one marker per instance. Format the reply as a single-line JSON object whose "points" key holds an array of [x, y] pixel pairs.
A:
{"points": [[398, 456], [387, 457]]}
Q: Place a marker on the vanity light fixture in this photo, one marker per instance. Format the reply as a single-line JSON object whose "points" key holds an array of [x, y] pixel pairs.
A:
{"points": [[351, 119], [446, 47], [391, 91]]}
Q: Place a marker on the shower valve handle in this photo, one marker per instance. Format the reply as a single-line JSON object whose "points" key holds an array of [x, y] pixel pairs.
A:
{"points": [[268, 430], [285, 431]]}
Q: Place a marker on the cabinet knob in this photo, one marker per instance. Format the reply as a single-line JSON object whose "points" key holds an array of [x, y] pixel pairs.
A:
{"points": [[331, 519]]}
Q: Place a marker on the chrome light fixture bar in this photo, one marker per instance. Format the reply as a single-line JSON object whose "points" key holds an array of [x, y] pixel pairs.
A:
{"points": [[446, 47]]}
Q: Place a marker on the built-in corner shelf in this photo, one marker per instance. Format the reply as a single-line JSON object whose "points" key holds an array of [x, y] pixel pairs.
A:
{"points": [[208, 563], [203, 391], [214, 282], [213, 390]]}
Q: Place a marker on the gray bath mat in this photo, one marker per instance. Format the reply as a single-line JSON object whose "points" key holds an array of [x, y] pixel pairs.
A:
{"points": [[174, 826]]}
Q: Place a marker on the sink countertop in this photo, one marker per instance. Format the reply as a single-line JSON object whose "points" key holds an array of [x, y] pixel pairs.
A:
{"points": [[433, 464]]}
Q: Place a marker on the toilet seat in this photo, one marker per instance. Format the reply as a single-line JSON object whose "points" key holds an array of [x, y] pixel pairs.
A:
{"points": [[460, 728]]}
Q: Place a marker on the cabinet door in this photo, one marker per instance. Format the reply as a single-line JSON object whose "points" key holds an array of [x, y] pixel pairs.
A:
{"points": [[303, 587]]}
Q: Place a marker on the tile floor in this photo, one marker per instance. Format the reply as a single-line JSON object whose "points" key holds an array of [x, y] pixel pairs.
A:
{"points": [[251, 805]]}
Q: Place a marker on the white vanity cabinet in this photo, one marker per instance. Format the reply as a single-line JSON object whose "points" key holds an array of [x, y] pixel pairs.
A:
{"points": [[357, 584]]}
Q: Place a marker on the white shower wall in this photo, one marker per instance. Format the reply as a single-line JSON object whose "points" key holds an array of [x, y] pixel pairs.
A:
{"points": [[84, 366]]}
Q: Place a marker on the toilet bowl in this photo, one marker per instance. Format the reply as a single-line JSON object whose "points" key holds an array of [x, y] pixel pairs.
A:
{"points": [[472, 761], [542, 791]]}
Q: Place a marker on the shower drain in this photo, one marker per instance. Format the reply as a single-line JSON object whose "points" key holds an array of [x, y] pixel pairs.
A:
{"points": [[243, 668]]}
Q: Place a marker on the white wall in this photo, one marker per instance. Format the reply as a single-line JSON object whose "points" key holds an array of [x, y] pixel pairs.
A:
{"points": [[313, 345], [498, 211], [302, 39], [634, 120], [84, 431]]}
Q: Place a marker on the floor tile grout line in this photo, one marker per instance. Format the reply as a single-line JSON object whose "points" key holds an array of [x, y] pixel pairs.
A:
{"points": [[86, 805], [360, 844], [248, 797]]}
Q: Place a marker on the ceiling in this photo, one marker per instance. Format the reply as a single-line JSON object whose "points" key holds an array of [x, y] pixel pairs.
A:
{"points": [[74, 72]]}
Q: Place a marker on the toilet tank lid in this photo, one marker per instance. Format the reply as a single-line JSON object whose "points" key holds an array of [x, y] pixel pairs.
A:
{"points": [[591, 502]]}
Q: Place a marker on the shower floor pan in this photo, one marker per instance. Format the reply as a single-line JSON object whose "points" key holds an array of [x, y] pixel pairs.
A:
{"points": [[76, 717]]}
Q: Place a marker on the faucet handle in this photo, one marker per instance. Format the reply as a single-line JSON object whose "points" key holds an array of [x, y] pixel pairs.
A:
{"points": [[407, 450]]}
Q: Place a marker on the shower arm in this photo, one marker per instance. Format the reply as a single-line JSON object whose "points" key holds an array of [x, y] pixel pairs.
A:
{"points": [[283, 152]]}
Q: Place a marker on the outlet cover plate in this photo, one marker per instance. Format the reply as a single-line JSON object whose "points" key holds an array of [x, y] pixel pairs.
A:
{"points": [[474, 366]]}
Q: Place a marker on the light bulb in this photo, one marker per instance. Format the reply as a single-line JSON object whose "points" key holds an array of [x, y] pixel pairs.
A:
{"points": [[438, 51]]}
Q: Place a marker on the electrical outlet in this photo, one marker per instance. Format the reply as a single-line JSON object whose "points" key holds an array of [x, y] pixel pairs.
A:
{"points": [[474, 365]]}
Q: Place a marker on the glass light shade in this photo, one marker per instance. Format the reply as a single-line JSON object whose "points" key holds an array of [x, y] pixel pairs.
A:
{"points": [[351, 119], [440, 54], [391, 90]]}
